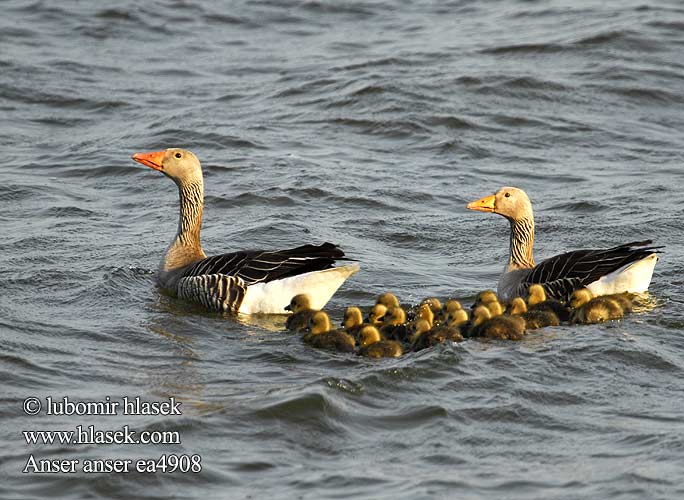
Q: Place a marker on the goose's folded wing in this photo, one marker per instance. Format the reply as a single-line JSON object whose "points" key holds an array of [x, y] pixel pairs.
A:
{"points": [[216, 292], [564, 273], [261, 266]]}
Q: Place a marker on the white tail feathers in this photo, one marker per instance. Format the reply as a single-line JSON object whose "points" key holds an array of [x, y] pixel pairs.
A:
{"points": [[272, 297]]}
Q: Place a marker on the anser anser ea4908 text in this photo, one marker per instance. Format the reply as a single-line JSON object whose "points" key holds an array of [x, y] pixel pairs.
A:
{"points": [[255, 281], [624, 268]]}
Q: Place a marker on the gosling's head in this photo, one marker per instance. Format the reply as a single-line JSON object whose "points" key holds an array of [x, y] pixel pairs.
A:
{"points": [[433, 303], [517, 306], [369, 335], [452, 305], [495, 308], [456, 317], [480, 315], [580, 297], [388, 300], [352, 317], [319, 323], [486, 296], [377, 314], [424, 312], [300, 302], [395, 316], [536, 294]]}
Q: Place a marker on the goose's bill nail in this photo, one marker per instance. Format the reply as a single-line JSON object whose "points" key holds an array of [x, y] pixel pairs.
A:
{"points": [[485, 204], [153, 160]]}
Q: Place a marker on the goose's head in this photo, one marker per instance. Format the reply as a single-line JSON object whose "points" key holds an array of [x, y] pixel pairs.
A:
{"points": [[352, 317], [511, 202], [180, 165], [369, 335], [319, 323], [300, 302]]}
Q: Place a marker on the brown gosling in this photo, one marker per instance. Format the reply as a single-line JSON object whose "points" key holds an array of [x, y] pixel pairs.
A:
{"points": [[377, 314], [533, 319], [394, 326], [538, 301], [424, 336], [300, 305], [590, 310], [504, 327], [373, 346], [322, 336], [388, 300]]}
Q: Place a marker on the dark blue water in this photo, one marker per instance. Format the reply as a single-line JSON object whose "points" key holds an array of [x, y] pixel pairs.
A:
{"points": [[369, 124]]}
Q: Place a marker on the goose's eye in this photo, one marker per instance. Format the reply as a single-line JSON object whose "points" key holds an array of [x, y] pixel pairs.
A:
{"points": [[507, 195], [178, 155]]}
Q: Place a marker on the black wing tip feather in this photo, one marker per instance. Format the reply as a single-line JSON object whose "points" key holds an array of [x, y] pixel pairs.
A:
{"points": [[636, 246]]}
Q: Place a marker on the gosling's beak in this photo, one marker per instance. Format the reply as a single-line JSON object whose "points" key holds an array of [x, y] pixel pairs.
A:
{"points": [[287, 307], [485, 204], [153, 160]]}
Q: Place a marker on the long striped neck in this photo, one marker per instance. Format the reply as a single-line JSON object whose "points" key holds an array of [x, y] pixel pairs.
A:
{"points": [[186, 247], [522, 241]]}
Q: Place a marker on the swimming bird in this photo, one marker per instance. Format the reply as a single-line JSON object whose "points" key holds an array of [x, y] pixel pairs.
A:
{"points": [[300, 305], [377, 314], [624, 268], [504, 327], [394, 326], [388, 300], [322, 336], [254, 281], [589, 310], [373, 346], [537, 301], [489, 299], [534, 319], [353, 321]]}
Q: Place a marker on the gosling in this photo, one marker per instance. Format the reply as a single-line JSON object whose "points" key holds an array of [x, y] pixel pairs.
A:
{"points": [[320, 335]]}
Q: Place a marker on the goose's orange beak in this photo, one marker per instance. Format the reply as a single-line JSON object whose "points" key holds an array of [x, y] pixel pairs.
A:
{"points": [[153, 160], [485, 204]]}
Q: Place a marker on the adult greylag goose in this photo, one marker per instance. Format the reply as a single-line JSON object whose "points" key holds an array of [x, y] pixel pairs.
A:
{"points": [[253, 281], [624, 268]]}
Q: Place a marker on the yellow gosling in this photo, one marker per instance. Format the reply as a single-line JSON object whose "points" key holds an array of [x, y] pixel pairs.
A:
{"points": [[300, 305], [425, 313], [388, 300], [538, 301], [394, 326], [323, 337], [504, 327], [377, 314], [373, 346]]}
